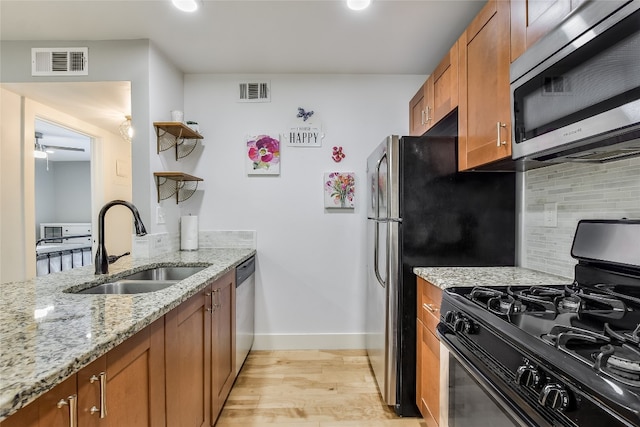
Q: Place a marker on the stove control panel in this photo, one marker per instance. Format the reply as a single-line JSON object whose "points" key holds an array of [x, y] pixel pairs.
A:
{"points": [[550, 393]]}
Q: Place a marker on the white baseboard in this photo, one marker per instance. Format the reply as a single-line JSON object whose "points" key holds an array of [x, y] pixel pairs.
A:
{"points": [[309, 342]]}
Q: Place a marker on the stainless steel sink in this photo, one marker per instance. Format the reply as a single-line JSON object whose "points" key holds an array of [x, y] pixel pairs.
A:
{"points": [[150, 280], [164, 273], [129, 287]]}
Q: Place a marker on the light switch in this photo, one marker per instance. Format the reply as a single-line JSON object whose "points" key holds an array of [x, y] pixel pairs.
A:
{"points": [[160, 215], [550, 214]]}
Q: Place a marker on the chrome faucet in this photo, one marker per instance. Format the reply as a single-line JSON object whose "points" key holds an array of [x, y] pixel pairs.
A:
{"points": [[102, 259]]}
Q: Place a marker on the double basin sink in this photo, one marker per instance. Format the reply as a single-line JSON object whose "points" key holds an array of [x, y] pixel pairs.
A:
{"points": [[150, 280]]}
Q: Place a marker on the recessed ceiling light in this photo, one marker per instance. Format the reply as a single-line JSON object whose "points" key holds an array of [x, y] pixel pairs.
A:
{"points": [[358, 4], [186, 5]]}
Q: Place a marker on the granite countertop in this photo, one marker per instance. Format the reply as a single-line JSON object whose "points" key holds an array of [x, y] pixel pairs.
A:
{"points": [[447, 277], [47, 334]]}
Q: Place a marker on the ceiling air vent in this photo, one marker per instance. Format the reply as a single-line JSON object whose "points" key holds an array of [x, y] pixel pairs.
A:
{"points": [[60, 61], [254, 92]]}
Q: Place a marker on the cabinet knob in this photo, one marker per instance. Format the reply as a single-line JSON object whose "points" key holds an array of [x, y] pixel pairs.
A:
{"points": [[554, 396], [527, 376]]}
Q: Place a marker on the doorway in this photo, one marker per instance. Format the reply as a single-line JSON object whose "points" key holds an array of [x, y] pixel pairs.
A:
{"points": [[62, 193]]}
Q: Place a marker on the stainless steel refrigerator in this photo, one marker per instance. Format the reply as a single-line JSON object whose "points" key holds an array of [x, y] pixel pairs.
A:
{"points": [[421, 213]]}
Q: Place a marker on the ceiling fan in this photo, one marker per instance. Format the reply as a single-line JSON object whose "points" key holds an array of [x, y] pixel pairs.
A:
{"points": [[43, 148]]}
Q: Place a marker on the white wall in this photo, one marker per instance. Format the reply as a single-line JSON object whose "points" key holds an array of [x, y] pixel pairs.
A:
{"points": [[580, 191], [311, 262]]}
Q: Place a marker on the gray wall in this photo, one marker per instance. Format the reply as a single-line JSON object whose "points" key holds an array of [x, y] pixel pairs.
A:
{"points": [[63, 193]]}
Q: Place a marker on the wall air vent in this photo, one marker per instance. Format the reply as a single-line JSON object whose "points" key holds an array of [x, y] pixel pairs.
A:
{"points": [[60, 61], [254, 92]]}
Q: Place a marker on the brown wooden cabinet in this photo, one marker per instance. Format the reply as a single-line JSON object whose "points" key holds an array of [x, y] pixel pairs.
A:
{"points": [[135, 391], [417, 107], [126, 385], [199, 348], [532, 19], [444, 83], [223, 341], [437, 97], [188, 361], [484, 123], [428, 352], [53, 409]]}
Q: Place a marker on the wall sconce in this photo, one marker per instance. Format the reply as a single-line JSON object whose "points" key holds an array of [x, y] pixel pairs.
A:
{"points": [[126, 131]]}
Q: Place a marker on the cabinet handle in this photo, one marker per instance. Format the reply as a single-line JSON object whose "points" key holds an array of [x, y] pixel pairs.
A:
{"points": [[217, 295], [102, 378], [430, 307], [422, 117], [499, 127], [209, 294], [428, 115], [72, 403]]}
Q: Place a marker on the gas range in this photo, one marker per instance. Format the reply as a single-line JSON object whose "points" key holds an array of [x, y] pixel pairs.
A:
{"points": [[560, 355]]}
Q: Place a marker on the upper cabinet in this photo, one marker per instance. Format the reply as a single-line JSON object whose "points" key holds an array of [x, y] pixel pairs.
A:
{"points": [[532, 19], [444, 84], [484, 123], [437, 97], [417, 117]]}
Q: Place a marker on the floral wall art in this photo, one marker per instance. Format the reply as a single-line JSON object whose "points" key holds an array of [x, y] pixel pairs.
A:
{"points": [[339, 190], [263, 155]]}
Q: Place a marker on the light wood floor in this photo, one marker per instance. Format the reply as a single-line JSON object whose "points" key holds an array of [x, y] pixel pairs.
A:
{"points": [[311, 388]]}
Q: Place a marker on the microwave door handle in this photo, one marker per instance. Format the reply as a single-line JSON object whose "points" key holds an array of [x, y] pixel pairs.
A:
{"points": [[376, 264]]}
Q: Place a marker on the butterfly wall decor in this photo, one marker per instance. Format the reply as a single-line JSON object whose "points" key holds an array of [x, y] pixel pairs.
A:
{"points": [[304, 115]]}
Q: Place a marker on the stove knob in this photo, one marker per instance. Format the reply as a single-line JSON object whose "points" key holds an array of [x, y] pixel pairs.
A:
{"points": [[554, 396], [527, 376], [450, 317], [463, 325]]}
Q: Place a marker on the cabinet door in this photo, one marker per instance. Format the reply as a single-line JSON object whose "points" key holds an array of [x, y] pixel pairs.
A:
{"points": [[135, 380], [188, 362], [484, 120], [53, 409], [223, 341], [445, 86], [90, 399], [429, 360], [417, 125], [532, 19]]}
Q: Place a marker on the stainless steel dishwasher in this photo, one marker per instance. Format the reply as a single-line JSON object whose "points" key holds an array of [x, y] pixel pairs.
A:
{"points": [[245, 309]]}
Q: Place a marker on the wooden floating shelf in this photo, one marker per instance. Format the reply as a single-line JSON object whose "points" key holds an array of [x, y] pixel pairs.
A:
{"points": [[180, 184], [178, 135]]}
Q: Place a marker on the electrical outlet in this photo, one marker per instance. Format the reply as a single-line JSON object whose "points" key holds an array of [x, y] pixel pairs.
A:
{"points": [[160, 215], [550, 214]]}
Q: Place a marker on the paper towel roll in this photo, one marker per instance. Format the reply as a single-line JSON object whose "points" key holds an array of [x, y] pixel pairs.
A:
{"points": [[189, 233]]}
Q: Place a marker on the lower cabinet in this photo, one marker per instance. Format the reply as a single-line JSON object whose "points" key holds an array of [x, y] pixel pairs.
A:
{"points": [[199, 348], [125, 387], [223, 369], [428, 352], [176, 372]]}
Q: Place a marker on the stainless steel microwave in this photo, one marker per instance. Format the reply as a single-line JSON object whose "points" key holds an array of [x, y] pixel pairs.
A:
{"points": [[575, 95]]}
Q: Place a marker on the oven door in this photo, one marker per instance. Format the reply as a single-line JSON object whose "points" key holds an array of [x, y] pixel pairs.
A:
{"points": [[473, 395]]}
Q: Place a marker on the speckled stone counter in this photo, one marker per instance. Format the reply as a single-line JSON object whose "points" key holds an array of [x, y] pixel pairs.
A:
{"points": [[447, 277], [48, 334]]}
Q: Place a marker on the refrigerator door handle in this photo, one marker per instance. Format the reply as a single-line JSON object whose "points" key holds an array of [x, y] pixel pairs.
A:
{"points": [[378, 220]]}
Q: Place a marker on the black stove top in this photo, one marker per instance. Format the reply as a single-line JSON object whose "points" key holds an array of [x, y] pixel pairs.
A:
{"points": [[580, 340]]}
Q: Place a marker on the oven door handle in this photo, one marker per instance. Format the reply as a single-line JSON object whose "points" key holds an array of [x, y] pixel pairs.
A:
{"points": [[498, 396]]}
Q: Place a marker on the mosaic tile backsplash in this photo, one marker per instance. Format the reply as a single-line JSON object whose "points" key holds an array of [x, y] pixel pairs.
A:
{"points": [[578, 191]]}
